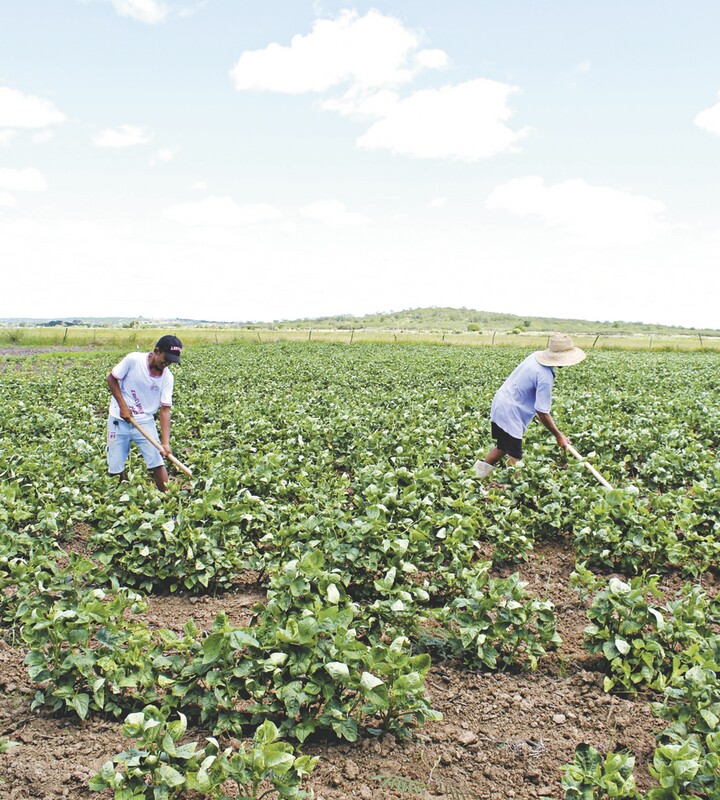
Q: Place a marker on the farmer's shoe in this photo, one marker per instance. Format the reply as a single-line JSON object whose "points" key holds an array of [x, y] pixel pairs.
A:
{"points": [[482, 469]]}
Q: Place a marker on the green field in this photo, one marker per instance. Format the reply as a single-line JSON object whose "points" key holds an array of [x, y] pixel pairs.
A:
{"points": [[339, 477]]}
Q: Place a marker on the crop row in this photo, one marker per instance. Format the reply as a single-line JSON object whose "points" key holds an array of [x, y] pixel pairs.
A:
{"points": [[340, 478]]}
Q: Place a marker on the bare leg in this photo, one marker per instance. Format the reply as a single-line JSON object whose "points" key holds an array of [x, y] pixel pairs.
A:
{"points": [[495, 455], [161, 477]]}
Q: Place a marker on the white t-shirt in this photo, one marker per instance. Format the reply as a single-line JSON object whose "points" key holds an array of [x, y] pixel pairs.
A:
{"points": [[143, 392]]}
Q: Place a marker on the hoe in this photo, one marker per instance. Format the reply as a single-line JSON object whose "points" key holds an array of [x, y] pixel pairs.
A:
{"points": [[589, 466], [157, 444]]}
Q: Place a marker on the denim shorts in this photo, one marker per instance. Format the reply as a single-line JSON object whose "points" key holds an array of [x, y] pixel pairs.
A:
{"points": [[119, 436]]}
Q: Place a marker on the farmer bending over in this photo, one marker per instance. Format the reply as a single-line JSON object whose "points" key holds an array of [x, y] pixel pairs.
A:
{"points": [[527, 393], [140, 385]]}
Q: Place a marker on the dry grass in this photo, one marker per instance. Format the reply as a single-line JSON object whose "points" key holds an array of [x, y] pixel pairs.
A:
{"points": [[145, 338]]}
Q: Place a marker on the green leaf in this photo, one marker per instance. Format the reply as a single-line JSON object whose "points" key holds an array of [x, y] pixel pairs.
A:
{"points": [[338, 671], [266, 733], [622, 646], [712, 720], [177, 728], [212, 647], [368, 681], [81, 704], [240, 639], [278, 757], [170, 776], [346, 729]]}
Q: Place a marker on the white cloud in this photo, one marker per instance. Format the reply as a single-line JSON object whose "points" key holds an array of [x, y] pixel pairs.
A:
{"points": [[359, 103], [370, 51], [165, 154], [6, 136], [709, 119], [22, 180], [372, 56], [18, 110], [438, 202], [466, 121], [200, 185], [148, 11], [333, 213], [124, 136], [432, 59], [7, 200], [220, 212], [153, 12], [42, 137], [587, 214]]}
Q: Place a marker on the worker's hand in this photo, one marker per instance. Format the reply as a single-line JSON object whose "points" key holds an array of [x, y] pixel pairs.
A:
{"points": [[125, 413], [562, 440], [166, 450]]}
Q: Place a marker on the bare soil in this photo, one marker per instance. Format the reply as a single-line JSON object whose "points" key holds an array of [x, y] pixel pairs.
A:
{"points": [[17, 350], [503, 735]]}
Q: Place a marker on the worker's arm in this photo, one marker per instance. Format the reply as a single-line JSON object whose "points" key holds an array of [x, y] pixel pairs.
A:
{"points": [[164, 416], [547, 421], [114, 386]]}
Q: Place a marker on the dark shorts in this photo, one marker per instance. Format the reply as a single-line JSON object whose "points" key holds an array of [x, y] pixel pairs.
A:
{"points": [[511, 445]]}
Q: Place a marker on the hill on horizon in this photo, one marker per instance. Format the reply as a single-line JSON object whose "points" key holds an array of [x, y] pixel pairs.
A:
{"points": [[431, 319], [459, 319]]}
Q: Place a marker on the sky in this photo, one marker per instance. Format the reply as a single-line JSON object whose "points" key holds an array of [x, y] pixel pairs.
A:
{"points": [[238, 160]]}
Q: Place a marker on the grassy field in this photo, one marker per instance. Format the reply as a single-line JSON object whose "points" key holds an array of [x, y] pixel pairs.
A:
{"points": [[144, 338]]}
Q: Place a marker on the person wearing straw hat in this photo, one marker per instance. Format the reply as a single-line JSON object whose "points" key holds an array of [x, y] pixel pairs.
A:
{"points": [[527, 393]]}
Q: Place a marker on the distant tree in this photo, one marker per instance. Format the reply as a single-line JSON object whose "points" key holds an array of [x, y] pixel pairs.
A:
{"points": [[473, 326]]}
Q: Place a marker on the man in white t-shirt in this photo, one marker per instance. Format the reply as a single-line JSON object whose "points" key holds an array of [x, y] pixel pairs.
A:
{"points": [[141, 385]]}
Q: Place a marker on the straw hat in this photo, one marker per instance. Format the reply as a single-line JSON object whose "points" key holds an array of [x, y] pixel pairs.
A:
{"points": [[561, 352]]}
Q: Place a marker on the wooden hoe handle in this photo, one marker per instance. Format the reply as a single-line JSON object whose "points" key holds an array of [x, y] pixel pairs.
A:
{"points": [[157, 444], [589, 466]]}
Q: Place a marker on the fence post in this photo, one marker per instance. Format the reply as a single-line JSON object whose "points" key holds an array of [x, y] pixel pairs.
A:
{"points": [[352, 333], [493, 339]]}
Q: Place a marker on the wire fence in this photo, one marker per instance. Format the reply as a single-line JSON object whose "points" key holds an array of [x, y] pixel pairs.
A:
{"points": [[145, 338]]}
